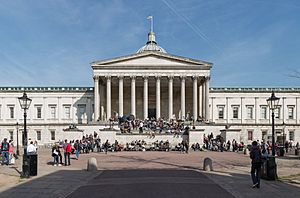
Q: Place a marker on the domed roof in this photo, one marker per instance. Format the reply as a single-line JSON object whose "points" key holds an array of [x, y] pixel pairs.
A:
{"points": [[151, 45]]}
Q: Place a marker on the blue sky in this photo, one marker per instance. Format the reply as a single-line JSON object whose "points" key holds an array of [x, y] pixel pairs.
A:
{"points": [[53, 42]]}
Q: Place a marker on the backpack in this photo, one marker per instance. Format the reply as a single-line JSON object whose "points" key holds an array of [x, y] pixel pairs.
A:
{"points": [[5, 146], [69, 148], [255, 155]]}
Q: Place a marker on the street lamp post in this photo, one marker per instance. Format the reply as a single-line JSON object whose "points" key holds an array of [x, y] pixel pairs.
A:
{"points": [[273, 104], [18, 152], [283, 134], [25, 103]]}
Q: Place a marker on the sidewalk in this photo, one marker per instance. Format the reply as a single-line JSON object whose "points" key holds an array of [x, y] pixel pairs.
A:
{"points": [[231, 172]]}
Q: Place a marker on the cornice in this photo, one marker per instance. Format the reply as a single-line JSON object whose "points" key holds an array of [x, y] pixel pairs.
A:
{"points": [[116, 60]]}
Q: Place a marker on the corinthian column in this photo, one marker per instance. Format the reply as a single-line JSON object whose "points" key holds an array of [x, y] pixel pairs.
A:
{"points": [[108, 97], [170, 97], [157, 97], [182, 97], [204, 99], [200, 101], [195, 107], [120, 96], [96, 99], [145, 97], [133, 95], [207, 97]]}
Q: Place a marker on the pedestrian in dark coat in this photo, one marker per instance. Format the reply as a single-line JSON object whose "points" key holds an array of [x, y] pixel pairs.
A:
{"points": [[256, 161]]}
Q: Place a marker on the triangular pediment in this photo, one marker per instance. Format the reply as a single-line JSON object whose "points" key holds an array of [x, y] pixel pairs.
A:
{"points": [[150, 59]]}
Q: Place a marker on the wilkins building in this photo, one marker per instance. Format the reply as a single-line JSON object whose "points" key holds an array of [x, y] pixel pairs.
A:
{"points": [[150, 84]]}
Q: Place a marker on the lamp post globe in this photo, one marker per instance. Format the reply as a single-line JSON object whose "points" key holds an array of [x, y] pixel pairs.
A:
{"points": [[25, 103], [273, 104]]}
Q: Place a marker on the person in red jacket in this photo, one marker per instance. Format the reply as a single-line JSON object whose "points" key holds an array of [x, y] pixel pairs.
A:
{"points": [[67, 152]]}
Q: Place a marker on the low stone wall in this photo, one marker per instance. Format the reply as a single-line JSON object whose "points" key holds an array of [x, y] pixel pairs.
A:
{"points": [[127, 138]]}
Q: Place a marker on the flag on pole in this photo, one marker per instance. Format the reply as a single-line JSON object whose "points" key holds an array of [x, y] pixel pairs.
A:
{"points": [[150, 17]]}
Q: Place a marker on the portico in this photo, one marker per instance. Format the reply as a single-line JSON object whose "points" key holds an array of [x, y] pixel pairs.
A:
{"points": [[151, 83]]}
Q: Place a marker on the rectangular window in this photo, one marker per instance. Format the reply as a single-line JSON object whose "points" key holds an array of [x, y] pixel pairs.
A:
{"points": [[67, 112], [221, 112], [249, 112], [0, 111], [53, 112], [263, 112], [38, 135], [235, 112], [11, 135], [264, 135], [52, 135], [277, 113], [250, 135], [38, 112], [81, 111], [291, 112], [292, 135], [11, 112]]}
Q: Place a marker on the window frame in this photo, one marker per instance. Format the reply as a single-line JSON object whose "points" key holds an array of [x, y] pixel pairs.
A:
{"points": [[249, 109], [67, 115], [235, 111], [250, 135], [38, 111], [291, 117], [263, 112], [221, 108], [38, 135], [52, 111], [52, 135], [11, 109]]}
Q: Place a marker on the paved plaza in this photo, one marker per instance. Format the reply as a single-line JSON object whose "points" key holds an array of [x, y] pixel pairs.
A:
{"points": [[149, 174]]}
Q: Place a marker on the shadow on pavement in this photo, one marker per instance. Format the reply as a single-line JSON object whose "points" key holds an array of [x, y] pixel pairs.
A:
{"points": [[147, 183]]}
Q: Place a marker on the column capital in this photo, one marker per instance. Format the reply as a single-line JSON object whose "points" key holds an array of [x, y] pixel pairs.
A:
{"points": [[132, 77], [145, 77], [120, 77], [207, 78], [108, 77], [195, 77], [182, 77], [157, 77], [96, 77], [170, 77], [202, 79]]}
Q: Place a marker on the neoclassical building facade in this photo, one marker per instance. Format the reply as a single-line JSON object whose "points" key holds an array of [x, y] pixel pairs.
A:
{"points": [[150, 83]]}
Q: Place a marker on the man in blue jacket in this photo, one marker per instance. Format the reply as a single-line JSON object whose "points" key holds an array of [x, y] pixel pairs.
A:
{"points": [[4, 150]]}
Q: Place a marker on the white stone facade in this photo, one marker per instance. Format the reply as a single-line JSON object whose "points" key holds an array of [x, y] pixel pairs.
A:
{"points": [[150, 83], [61, 107]]}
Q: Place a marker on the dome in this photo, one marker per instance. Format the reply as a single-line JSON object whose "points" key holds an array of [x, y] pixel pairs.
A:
{"points": [[151, 45]]}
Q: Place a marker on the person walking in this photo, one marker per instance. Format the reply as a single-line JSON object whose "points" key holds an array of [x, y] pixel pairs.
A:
{"points": [[256, 160], [11, 152], [67, 152], [31, 149], [5, 151], [77, 149], [106, 146]]}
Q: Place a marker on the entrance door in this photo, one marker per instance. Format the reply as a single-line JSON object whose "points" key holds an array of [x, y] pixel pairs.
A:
{"points": [[151, 113]]}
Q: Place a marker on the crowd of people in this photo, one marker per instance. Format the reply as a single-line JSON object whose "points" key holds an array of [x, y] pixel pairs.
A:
{"points": [[8, 155], [7, 151], [92, 143], [153, 126]]}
